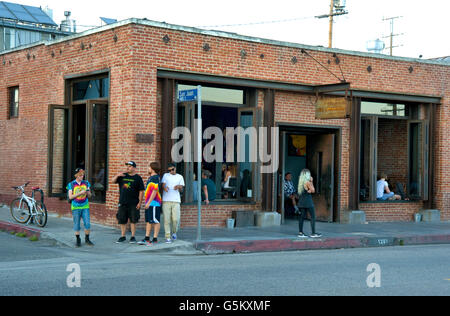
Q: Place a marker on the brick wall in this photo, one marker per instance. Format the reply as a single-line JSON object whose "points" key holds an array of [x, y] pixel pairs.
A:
{"points": [[393, 150], [134, 108], [391, 212]]}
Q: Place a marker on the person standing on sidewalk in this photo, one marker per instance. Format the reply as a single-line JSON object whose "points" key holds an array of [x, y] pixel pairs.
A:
{"points": [[152, 205], [306, 204], [131, 189], [173, 184], [79, 192]]}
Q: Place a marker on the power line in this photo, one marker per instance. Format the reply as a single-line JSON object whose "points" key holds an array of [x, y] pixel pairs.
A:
{"points": [[259, 23]]}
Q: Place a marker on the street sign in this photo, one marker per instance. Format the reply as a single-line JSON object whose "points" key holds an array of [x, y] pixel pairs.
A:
{"points": [[187, 95]]}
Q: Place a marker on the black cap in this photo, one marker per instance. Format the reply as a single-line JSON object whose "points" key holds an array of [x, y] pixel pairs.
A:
{"points": [[171, 165], [131, 163]]}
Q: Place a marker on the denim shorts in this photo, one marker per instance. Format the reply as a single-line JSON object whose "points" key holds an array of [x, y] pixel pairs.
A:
{"points": [[77, 216], [386, 196]]}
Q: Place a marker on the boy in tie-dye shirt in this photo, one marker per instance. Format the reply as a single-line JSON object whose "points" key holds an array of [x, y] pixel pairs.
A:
{"points": [[153, 203], [79, 192]]}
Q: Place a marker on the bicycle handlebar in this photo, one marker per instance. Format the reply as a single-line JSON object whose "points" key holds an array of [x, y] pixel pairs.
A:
{"points": [[21, 186]]}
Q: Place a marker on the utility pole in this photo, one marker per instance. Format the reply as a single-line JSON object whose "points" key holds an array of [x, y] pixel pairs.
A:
{"points": [[337, 7], [391, 36]]}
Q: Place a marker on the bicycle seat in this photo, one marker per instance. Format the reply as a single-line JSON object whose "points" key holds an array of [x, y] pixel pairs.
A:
{"points": [[35, 188]]}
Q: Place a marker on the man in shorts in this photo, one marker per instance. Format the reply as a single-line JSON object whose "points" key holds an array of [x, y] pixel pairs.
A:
{"points": [[152, 205], [131, 189]]}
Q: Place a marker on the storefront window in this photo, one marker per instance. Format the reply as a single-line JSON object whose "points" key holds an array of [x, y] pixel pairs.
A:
{"points": [[393, 144], [222, 108]]}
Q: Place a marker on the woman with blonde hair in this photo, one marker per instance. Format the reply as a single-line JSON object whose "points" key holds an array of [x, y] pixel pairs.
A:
{"points": [[305, 203]]}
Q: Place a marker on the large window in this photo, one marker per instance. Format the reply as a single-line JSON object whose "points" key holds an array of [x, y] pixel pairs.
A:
{"points": [[394, 143], [13, 102], [222, 108]]}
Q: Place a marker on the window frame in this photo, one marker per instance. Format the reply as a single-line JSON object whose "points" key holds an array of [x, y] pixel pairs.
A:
{"points": [[412, 113], [69, 105], [249, 103], [12, 104]]}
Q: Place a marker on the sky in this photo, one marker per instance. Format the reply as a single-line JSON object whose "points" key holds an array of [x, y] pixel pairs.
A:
{"points": [[423, 26]]}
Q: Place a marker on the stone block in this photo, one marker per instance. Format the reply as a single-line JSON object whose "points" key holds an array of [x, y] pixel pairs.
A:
{"points": [[430, 215], [357, 217], [243, 218], [267, 219]]}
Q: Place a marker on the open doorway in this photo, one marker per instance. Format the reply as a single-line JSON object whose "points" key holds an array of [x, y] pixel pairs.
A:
{"points": [[316, 149]]}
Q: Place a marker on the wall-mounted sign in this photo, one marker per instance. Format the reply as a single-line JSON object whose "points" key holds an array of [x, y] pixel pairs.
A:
{"points": [[145, 138], [328, 107]]}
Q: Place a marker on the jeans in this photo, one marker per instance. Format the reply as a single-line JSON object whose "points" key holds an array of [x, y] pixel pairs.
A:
{"points": [[77, 216], [302, 217], [386, 196]]}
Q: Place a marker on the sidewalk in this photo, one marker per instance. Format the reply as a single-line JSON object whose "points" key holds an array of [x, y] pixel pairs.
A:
{"points": [[245, 239], [59, 230]]}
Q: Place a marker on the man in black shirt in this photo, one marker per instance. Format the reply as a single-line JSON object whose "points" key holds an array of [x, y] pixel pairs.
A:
{"points": [[131, 188]]}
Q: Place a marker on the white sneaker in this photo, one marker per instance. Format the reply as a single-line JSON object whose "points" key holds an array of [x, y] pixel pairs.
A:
{"points": [[174, 237], [168, 241]]}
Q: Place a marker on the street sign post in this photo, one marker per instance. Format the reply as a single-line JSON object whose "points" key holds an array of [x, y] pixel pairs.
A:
{"points": [[190, 96]]}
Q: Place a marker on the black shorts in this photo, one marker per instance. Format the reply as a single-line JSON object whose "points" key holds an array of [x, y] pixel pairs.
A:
{"points": [[128, 212], [153, 215]]}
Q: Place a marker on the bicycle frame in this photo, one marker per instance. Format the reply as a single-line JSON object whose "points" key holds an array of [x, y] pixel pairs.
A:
{"points": [[31, 202]]}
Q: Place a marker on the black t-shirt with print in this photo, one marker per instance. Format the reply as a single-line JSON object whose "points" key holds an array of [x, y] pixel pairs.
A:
{"points": [[129, 187]]}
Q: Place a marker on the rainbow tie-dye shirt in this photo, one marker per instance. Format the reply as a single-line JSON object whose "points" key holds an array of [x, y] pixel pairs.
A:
{"points": [[152, 185], [81, 202]]}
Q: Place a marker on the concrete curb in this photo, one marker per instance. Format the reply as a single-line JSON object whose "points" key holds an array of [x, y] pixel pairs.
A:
{"points": [[17, 228], [249, 246]]}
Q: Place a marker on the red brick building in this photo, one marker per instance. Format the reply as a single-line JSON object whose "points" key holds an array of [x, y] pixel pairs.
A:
{"points": [[103, 97]]}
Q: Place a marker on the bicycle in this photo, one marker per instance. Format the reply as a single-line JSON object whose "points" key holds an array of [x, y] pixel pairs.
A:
{"points": [[26, 209]]}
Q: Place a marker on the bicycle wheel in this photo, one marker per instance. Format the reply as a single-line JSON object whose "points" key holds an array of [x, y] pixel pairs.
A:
{"points": [[41, 217], [20, 210]]}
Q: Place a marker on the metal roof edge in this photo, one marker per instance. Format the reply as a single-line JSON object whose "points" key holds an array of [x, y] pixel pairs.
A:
{"points": [[229, 35], [217, 33]]}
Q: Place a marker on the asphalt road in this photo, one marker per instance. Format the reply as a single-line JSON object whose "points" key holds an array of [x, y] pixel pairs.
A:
{"points": [[37, 268]]}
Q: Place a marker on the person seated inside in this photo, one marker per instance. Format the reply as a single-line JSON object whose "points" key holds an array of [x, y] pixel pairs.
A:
{"points": [[383, 192], [227, 184], [208, 187], [291, 195]]}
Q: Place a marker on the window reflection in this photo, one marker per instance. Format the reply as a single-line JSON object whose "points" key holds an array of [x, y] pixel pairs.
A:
{"points": [[387, 109], [91, 89]]}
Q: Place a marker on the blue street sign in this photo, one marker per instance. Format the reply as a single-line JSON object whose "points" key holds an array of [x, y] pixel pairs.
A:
{"points": [[187, 95]]}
